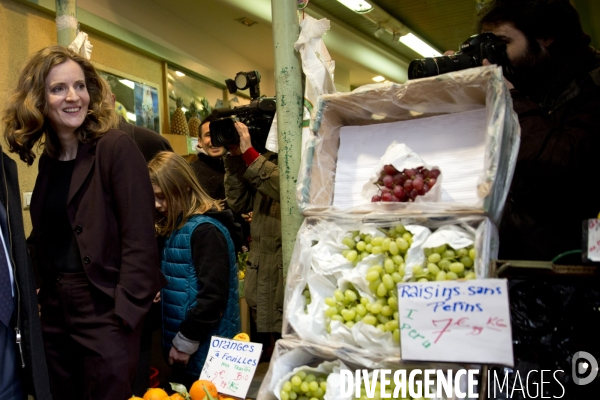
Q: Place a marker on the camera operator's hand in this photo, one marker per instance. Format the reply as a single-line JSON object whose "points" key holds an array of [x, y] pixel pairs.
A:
{"points": [[245, 142], [234, 150]]}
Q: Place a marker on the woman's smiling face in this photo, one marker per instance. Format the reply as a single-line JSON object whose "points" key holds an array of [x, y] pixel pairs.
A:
{"points": [[67, 97]]}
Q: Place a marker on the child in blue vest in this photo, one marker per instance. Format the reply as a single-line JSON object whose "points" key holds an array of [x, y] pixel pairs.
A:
{"points": [[199, 262]]}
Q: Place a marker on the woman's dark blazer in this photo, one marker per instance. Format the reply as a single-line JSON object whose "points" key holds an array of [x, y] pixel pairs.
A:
{"points": [[111, 211]]}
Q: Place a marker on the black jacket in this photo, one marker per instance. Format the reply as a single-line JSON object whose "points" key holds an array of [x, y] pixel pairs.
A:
{"points": [[149, 142], [210, 173], [35, 373], [553, 189]]}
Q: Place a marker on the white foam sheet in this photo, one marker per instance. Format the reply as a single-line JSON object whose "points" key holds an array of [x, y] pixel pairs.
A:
{"points": [[454, 142]]}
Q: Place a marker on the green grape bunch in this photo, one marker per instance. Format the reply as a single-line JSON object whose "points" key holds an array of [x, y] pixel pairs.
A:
{"points": [[445, 263], [303, 386], [395, 243], [346, 307], [381, 278]]}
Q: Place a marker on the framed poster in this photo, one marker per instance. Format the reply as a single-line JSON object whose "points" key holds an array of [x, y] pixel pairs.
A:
{"points": [[146, 106], [136, 100]]}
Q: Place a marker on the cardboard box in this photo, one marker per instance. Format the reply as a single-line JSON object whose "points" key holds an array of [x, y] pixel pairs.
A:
{"points": [[317, 264], [427, 115]]}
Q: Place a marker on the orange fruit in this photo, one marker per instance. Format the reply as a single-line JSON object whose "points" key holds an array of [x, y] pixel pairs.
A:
{"points": [[135, 398], [155, 394], [197, 390], [176, 396], [242, 336]]}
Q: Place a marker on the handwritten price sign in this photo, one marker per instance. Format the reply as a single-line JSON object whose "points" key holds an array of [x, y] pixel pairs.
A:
{"points": [[231, 364], [456, 321], [594, 239]]}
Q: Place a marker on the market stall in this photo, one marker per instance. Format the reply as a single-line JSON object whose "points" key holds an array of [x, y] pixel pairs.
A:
{"points": [[343, 308]]}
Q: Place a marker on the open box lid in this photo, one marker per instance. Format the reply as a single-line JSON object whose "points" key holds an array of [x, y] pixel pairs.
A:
{"points": [[420, 113]]}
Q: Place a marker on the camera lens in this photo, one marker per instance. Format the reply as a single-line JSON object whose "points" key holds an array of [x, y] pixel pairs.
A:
{"points": [[223, 133], [422, 68], [439, 65]]}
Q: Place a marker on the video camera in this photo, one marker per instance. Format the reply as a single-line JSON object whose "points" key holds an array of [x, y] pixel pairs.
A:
{"points": [[471, 54], [257, 116]]}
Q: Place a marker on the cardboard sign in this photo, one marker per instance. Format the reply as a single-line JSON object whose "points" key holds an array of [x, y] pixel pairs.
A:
{"points": [[231, 364], [456, 321]]}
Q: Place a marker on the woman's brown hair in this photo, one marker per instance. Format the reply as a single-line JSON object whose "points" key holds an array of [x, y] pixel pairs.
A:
{"points": [[24, 118], [183, 194]]}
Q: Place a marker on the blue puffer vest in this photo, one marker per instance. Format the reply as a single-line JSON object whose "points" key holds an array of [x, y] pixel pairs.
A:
{"points": [[179, 296]]}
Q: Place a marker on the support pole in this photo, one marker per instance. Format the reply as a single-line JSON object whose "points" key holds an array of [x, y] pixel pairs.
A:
{"points": [[288, 84], [66, 21]]}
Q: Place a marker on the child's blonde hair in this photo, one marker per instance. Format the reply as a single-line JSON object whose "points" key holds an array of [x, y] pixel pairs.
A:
{"points": [[183, 194]]}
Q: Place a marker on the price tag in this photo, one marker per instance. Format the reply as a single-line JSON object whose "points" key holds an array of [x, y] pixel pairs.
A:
{"points": [[593, 250], [456, 321], [231, 364]]}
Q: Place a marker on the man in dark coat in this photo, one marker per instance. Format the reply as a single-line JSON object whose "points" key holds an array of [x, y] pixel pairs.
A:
{"points": [[149, 142], [208, 163], [554, 81], [22, 363], [209, 167]]}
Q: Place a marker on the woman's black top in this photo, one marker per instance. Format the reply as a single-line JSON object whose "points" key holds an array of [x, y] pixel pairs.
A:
{"points": [[58, 237]]}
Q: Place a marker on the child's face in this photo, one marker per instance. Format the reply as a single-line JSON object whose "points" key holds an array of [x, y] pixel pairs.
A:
{"points": [[160, 202]]}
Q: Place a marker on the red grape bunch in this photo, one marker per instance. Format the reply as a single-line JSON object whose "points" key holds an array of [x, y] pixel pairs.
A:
{"points": [[405, 186]]}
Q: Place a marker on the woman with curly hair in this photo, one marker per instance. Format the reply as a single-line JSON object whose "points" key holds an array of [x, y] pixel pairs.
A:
{"points": [[93, 225]]}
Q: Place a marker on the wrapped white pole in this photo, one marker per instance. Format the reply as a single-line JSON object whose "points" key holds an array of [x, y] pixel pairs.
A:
{"points": [[66, 21], [288, 84]]}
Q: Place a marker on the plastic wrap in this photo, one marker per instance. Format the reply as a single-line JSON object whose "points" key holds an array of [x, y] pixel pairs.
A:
{"points": [[290, 354], [553, 317], [317, 263], [467, 90]]}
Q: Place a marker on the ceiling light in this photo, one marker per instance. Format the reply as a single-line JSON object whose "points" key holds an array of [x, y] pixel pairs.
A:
{"points": [[246, 21], [378, 78], [419, 46], [179, 73], [127, 83], [358, 6], [131, 116]]}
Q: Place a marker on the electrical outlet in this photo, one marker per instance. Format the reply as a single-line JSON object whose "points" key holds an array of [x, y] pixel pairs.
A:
{"points": [[26, 200]]}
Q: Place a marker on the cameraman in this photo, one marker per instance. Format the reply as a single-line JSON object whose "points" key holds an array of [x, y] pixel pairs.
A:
{"points": [[554, 81], [252, 184]]}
